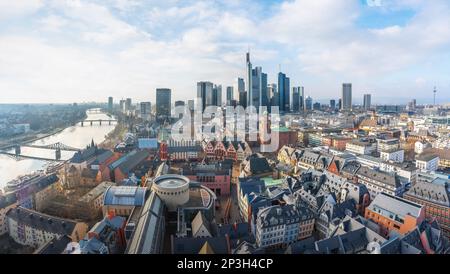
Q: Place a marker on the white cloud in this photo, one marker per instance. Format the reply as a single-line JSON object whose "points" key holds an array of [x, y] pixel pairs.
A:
{"points": [[420, 81], [90, 50], [9, 9], [53, 23]]}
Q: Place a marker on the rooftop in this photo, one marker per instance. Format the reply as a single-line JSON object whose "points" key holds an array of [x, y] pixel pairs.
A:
{"points": [[379, 176], [95, 192], [436, 193], [125, 195], [200, 197], [171, 181], [42, 221], [146, 235], [426, 157], [395, 205], [56, 245]]}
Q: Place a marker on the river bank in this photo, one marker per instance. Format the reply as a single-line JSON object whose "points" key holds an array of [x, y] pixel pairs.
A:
{"points": [[114, 137], [76, 136], [33, 137]]}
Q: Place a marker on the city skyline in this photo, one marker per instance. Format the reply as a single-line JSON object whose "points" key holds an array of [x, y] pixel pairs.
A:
{"points": [[63, 52]]}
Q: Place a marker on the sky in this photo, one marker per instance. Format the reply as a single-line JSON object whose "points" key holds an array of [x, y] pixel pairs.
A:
{"points": [[63, 51]]}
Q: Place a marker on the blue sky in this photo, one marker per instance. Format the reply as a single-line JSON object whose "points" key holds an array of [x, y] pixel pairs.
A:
{"points": [[86, 50]]}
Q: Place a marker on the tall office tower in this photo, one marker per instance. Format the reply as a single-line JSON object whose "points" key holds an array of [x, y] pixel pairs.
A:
{"points": [[367, 101], [122, 105], [128, 104], [316, 106], [230, 95], [273, 94], [242, 98], [308, 103], [205, 93], [346, 96], [110, 104], [217, 95], [301, 98], [333, 104], [265, 99], [258, 80], [339, 103], [249, 83], [283, 92], [163, 101], [180, 104], [146, 108], [295, 102], [191, 105]]}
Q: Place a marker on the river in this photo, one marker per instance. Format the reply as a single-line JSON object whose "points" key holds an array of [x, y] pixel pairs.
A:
{"points": [[75, 136]]}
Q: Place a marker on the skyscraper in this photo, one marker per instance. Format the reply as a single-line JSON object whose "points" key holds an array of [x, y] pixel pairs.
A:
{"points": [[295, 102], [301, 97], [122, 105], [308, 103], [283, 91], [333, 104], [259, 88], [367, 101], [163, 101], [146, 108], [230, 96], [217, 95], [265, 99], [110, 104], [242, 98], [128, 104], [273, 95], [191, 105], [249, 80], [272, 91], [316, 106], [346, 96], [205, 93], [298, 97], [180, 103]]}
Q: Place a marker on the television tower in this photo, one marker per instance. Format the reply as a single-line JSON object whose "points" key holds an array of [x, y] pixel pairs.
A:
{"points": [[434, 96]]}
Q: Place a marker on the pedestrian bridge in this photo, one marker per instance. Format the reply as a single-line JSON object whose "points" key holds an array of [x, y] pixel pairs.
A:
{"points": [[98, 121]]}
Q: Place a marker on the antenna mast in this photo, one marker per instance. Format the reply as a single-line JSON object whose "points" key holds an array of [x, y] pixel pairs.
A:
{"points": [[434, 96]]}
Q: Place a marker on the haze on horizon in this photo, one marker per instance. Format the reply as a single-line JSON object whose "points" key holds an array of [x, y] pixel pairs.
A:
{"points": [[55, 51]]}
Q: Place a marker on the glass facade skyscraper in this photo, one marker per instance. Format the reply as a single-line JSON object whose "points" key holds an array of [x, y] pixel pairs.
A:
{"points": [[346, 96], [283, 92], [110, 104], [163, 101], [230, 95], [205, 93], [367, 101]]}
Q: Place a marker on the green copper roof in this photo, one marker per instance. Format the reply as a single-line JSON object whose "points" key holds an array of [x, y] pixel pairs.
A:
{"points": [[269, 181]]}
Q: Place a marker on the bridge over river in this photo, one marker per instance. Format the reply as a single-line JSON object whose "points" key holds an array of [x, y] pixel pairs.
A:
{"points": [[57, 147], [99, 121]]}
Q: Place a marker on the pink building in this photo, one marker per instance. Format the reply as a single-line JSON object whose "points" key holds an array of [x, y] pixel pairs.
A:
{"points": [[216, 177]]}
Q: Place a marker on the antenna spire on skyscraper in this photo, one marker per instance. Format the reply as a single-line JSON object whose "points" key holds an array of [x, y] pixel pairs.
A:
{"points": [[434, 96], [248, 54]]}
